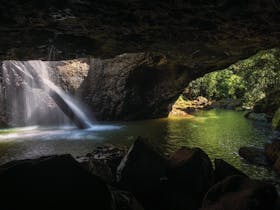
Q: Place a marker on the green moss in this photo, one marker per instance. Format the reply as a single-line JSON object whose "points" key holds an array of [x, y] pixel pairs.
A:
{"points": [[276, 120]]}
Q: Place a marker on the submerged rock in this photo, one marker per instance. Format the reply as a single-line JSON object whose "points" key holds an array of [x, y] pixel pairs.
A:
{"points": [[239, 192], [254, 155], [227, 104], [262, 117], [54, 182]]}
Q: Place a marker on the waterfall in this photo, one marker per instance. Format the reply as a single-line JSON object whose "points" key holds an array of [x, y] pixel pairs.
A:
{"points": [[33, 99]]}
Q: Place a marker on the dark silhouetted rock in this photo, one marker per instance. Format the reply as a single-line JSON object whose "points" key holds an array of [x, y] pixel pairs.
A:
{"points": [[239, 192], [277, 204], [54, 182], [254, 155], [189, 176], [141, 169], [125, 200], [272, 151], [141, 172], [223, 170]]}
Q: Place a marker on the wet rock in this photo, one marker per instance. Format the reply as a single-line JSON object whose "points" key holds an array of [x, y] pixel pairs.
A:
{"points": [[239, 192], [272, 151], [54, 182], [189, 175], [141, 169], [223, 170], [254, 155], [262, 117]]}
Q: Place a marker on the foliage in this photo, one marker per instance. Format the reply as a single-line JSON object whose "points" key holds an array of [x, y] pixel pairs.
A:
{"points": [[250, 80]]}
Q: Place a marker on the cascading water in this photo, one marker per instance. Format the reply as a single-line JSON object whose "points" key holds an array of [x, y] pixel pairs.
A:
{"points": [[32, 98]]}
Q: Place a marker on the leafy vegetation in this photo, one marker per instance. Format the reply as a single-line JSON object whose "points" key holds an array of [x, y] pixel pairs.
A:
{"points": [[249, 80]]}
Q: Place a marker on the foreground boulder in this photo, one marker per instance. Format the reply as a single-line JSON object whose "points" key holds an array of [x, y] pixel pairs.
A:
{"points": [[141, 169], [158, 183], [224, 170], [54, 182], [239, 192], [190, 174]]}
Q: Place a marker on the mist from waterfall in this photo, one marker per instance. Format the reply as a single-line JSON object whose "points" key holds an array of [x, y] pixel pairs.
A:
{"points": [[32, 98]]}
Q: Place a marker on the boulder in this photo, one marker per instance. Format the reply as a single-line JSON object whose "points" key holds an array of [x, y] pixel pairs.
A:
{"points": [[223, 170], [239, 192], [141, 169], [272, 151], [189, 176], [190, 169], [54, 182], [254, 155]]}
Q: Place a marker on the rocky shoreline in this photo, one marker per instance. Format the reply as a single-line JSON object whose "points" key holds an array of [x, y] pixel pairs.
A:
{"points": [[110, 178]]}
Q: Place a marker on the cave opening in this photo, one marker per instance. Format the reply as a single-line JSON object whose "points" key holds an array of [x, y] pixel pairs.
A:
{"points": [[125, 64]]}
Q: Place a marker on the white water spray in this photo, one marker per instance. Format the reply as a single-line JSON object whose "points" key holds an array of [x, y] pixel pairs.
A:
{"points": [[34, 99]]}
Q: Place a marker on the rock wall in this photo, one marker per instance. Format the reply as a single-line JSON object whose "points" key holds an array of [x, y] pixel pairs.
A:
{"points": [[133, 86]]}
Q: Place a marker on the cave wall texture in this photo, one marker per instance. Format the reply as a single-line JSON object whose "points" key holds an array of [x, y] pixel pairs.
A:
{"points": [[192, 37]]}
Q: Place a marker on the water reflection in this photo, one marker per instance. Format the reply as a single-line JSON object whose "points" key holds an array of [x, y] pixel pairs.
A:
{"points": [[220, 133]]}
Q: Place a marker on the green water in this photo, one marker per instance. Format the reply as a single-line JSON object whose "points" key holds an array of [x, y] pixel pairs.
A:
{"points": [[220, 133]]}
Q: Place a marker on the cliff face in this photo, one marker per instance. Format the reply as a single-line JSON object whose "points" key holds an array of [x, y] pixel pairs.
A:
{"points": [[190, 37], [132, 86]]}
